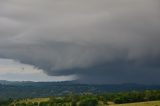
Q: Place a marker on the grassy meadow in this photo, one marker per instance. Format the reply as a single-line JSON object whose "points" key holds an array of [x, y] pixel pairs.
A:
{"points": [[100, 103], [149, 103]]}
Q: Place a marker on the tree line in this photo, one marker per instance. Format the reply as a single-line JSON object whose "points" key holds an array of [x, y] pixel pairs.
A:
{"points": [[90, 99]]}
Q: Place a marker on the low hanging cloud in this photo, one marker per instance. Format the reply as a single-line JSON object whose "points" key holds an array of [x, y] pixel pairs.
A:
{"points": [[99, 41]]}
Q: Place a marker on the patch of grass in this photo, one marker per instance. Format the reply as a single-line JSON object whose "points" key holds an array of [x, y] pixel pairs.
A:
{"points": [[38, 100], [100, 103], [149, 103]]}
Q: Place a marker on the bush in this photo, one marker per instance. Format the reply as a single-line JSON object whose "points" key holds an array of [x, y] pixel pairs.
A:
{"points": [[44, 104], [23, 104], [30, 104], [35, 104], [89, 102]]}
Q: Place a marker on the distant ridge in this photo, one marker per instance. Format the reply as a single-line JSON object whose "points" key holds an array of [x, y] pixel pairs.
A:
{"points": [[10, 89]]}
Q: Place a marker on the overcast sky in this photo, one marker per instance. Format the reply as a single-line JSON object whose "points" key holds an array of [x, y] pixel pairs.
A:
{"points": [[92, 41]]}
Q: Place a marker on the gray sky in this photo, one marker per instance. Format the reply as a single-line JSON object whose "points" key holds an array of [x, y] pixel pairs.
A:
{"points": [[14, 71], [94, 41]]}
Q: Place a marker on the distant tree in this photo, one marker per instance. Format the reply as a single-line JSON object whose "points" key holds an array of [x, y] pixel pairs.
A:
{"points": [[23, 104], [18, 104], [74, 103], [44, 104], [30, 104], [89, 102], [35, 103], [119, 100]]}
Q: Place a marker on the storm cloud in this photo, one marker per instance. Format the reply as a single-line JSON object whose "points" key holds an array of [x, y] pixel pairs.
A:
{"points": [[100, 41]]}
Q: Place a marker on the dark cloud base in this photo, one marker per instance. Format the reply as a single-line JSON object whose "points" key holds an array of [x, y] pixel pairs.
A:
{"points": [[99, 41]]}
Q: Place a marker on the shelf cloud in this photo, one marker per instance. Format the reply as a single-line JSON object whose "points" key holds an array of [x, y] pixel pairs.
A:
{"points": [[100, 41]]}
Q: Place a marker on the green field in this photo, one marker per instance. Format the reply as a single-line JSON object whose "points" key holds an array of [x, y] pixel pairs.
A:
{"points": [[132, 98], [38, 100], [33, 100], [150, 103]]}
